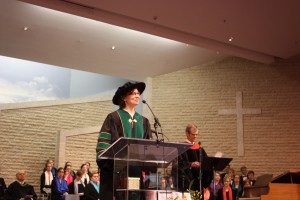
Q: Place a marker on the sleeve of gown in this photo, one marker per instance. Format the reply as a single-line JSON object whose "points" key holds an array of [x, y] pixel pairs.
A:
{"points": [[32, 192], [183, 161], [107, 135]]}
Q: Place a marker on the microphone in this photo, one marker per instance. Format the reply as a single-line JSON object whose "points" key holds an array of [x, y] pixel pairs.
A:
{"points": [[155, 118]]}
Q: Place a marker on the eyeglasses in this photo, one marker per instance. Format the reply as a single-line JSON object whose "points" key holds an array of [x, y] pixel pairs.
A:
{"points": [[135, 93]]}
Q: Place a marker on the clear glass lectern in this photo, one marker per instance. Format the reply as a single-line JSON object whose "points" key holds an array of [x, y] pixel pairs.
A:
{"points": [[144, 169]]}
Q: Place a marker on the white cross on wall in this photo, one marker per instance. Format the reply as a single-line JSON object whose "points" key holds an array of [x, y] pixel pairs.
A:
{"points": [[240, 111]]}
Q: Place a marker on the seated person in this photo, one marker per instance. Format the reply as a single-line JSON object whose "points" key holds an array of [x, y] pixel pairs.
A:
{"points": [[92, 190], [164, 184], [244, 173], [215, 185], [2, 188], [59, 187], [246, 184], [68, 174], [237, 188], [77, 186], [46, 179], [225, 193], [20, 190], [251, 177]]}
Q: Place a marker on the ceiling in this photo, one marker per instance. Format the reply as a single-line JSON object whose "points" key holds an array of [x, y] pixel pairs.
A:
{"points": [[97, 35]]}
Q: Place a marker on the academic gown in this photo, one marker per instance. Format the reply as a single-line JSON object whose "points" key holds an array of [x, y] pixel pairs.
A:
{"points": [[117, 124], [2, 188], [189, 174], [15, 191], [91, 193]]}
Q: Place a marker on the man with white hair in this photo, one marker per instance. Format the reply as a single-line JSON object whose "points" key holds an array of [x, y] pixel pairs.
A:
{"points": [[20, 190]]}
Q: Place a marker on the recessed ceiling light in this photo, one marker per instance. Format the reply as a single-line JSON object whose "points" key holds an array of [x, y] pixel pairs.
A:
{"points": [[113, 47], [230, 39], [25, 28]]}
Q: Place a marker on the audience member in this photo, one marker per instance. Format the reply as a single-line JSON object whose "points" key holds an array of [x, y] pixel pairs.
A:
{"points": [[46, 179], [77, 186], [85, 177], [171, 182], [244, 172], [72, 171], [230, 173], [164, 184], [215, 185], [2, 188], [92, 190], [20, 190], [251, 177], [88, 165], [59, 187], [225, 193], [67, 175], [246, 184], [237, 188], [224, 171], [53, 170]]}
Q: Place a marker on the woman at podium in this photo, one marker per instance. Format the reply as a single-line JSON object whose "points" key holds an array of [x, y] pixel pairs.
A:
{"points": [[124, 122]]}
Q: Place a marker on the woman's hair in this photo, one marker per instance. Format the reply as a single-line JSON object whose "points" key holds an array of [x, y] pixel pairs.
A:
{"points": [[68, 163], [78, 173], [66, 166], [122, 103], [226, 177], [60, 168], [250, 172]]}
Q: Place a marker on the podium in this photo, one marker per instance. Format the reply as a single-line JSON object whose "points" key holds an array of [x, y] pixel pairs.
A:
{"points": [[215, 163], [142, 167]]}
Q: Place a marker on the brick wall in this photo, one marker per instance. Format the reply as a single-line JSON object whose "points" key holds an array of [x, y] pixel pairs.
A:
{"points": [[29, 136], [30, 132], [271, 139]]}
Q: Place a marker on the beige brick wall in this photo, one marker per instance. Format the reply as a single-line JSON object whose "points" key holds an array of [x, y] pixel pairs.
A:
{"points": [[271, 140], [30, 134]]}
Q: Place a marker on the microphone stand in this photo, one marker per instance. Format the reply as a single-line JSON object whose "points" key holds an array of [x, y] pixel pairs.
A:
{"points": [[156, 121], [200, 171], [155, 128]]}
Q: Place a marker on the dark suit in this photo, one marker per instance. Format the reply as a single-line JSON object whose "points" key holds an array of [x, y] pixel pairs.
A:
{"points": [[2, 188], [91, 193]]}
